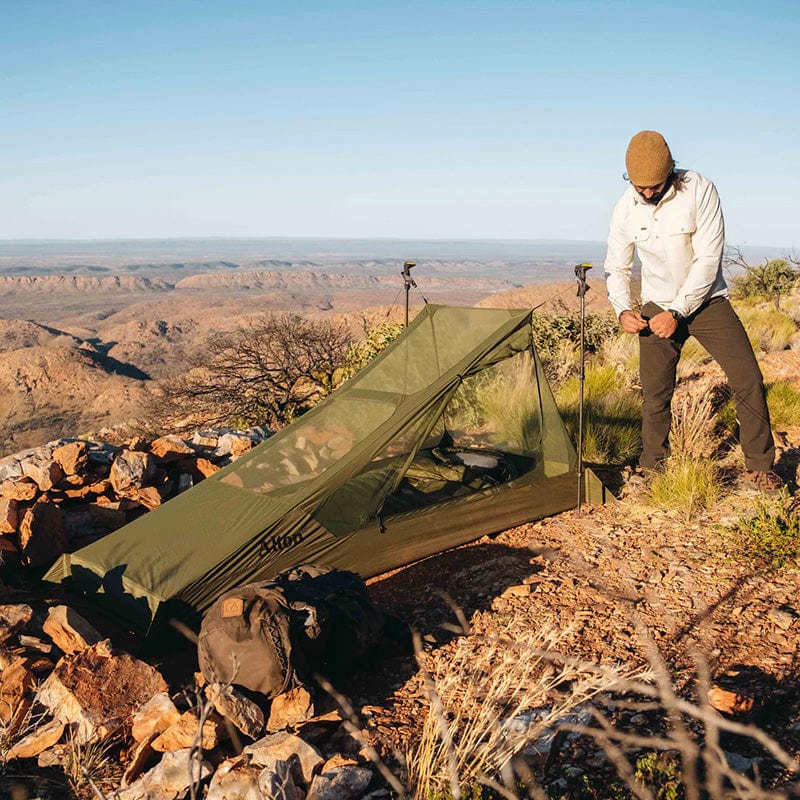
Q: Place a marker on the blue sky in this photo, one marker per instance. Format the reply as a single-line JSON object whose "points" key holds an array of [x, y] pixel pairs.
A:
{"points": [[435, 119]]}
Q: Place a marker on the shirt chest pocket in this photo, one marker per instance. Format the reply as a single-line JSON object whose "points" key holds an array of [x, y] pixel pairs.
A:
{"points": [[676, 224]]}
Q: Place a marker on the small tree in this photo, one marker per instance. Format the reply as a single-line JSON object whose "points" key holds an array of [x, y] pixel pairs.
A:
{"points": [[771, 281], [264, 373]]}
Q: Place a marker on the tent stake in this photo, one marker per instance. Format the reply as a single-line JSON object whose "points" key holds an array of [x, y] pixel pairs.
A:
{"points": [[583, 287]]}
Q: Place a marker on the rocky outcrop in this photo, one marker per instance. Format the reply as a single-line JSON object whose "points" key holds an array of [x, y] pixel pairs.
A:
{"points": [[79, 284], [58, 497], [89, 694], [270, 280]]}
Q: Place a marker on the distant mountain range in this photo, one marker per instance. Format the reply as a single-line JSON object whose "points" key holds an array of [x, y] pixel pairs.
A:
{"points": [[517, 261]]}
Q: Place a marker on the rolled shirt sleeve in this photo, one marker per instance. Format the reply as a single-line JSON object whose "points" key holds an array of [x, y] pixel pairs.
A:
{"points": [[708, 242]]}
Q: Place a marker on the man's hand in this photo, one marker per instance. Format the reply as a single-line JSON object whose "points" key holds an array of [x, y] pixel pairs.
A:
{"points": [[663, 325], [632, 322]]}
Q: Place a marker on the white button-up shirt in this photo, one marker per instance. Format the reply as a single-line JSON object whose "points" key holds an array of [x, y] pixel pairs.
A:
{"points": [[679, 242]]}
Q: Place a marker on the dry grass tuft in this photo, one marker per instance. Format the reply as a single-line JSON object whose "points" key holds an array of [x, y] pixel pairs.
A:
{"points": [[490, 698], [693, 422]]}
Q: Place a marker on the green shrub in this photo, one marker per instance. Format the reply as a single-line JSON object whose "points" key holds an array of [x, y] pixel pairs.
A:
{"points": [[771, 537], [612, 414], [686, 485], [660, 772], [549, 332], [769, 282], [361, 353], [768, 330]]}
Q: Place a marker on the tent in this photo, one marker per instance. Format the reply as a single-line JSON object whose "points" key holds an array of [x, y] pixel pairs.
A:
{"points": [[449, 434]]}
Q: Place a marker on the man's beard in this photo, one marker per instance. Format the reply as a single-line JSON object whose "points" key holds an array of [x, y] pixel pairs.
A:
{"points": [[656, 198]]}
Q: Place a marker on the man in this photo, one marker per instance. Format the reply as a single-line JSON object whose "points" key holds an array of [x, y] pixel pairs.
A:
{"points": [[673, 220]]}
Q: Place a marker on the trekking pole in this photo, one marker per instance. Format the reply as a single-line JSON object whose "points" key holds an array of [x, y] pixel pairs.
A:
{"points": [[583, 287], [409, 282]]}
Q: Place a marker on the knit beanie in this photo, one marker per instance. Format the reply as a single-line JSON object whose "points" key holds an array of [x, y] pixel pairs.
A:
{"points": [[648, 159]]}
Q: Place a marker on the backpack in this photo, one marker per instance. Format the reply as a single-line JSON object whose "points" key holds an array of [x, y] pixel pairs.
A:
{"points": [[271, 636]]}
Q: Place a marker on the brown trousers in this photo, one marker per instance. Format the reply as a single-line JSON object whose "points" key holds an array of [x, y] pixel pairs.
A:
{"points": [[716, 326]]}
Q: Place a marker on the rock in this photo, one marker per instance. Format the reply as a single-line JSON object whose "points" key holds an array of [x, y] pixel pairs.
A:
{"points": [[338, 760], [154, 717], [207, 439], [783, 619], [234, 706], [131, 470], [102, 454], [69, 631], [290, 708], [96, 690], [729, 702], [233, 444], [341, 783], [239, 781], [16, 686], [739, 763], [142, 755], [42, 534], [72, 457], [79, 523], [108, 515], [147, 496], [198, 468], [35, 643], [169, 779], [516, 591], [183, 731], [9, 517], [281, 747], [278, 782], [39, 740], [45, 473], [12, 618], [10, 469], [56, 756], [22, 489], [170, 448]]}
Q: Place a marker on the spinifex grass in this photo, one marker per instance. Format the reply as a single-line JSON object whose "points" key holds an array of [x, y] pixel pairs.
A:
{"points": [[768, 329], [687, 485], [783, 402], [612, 414]]}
